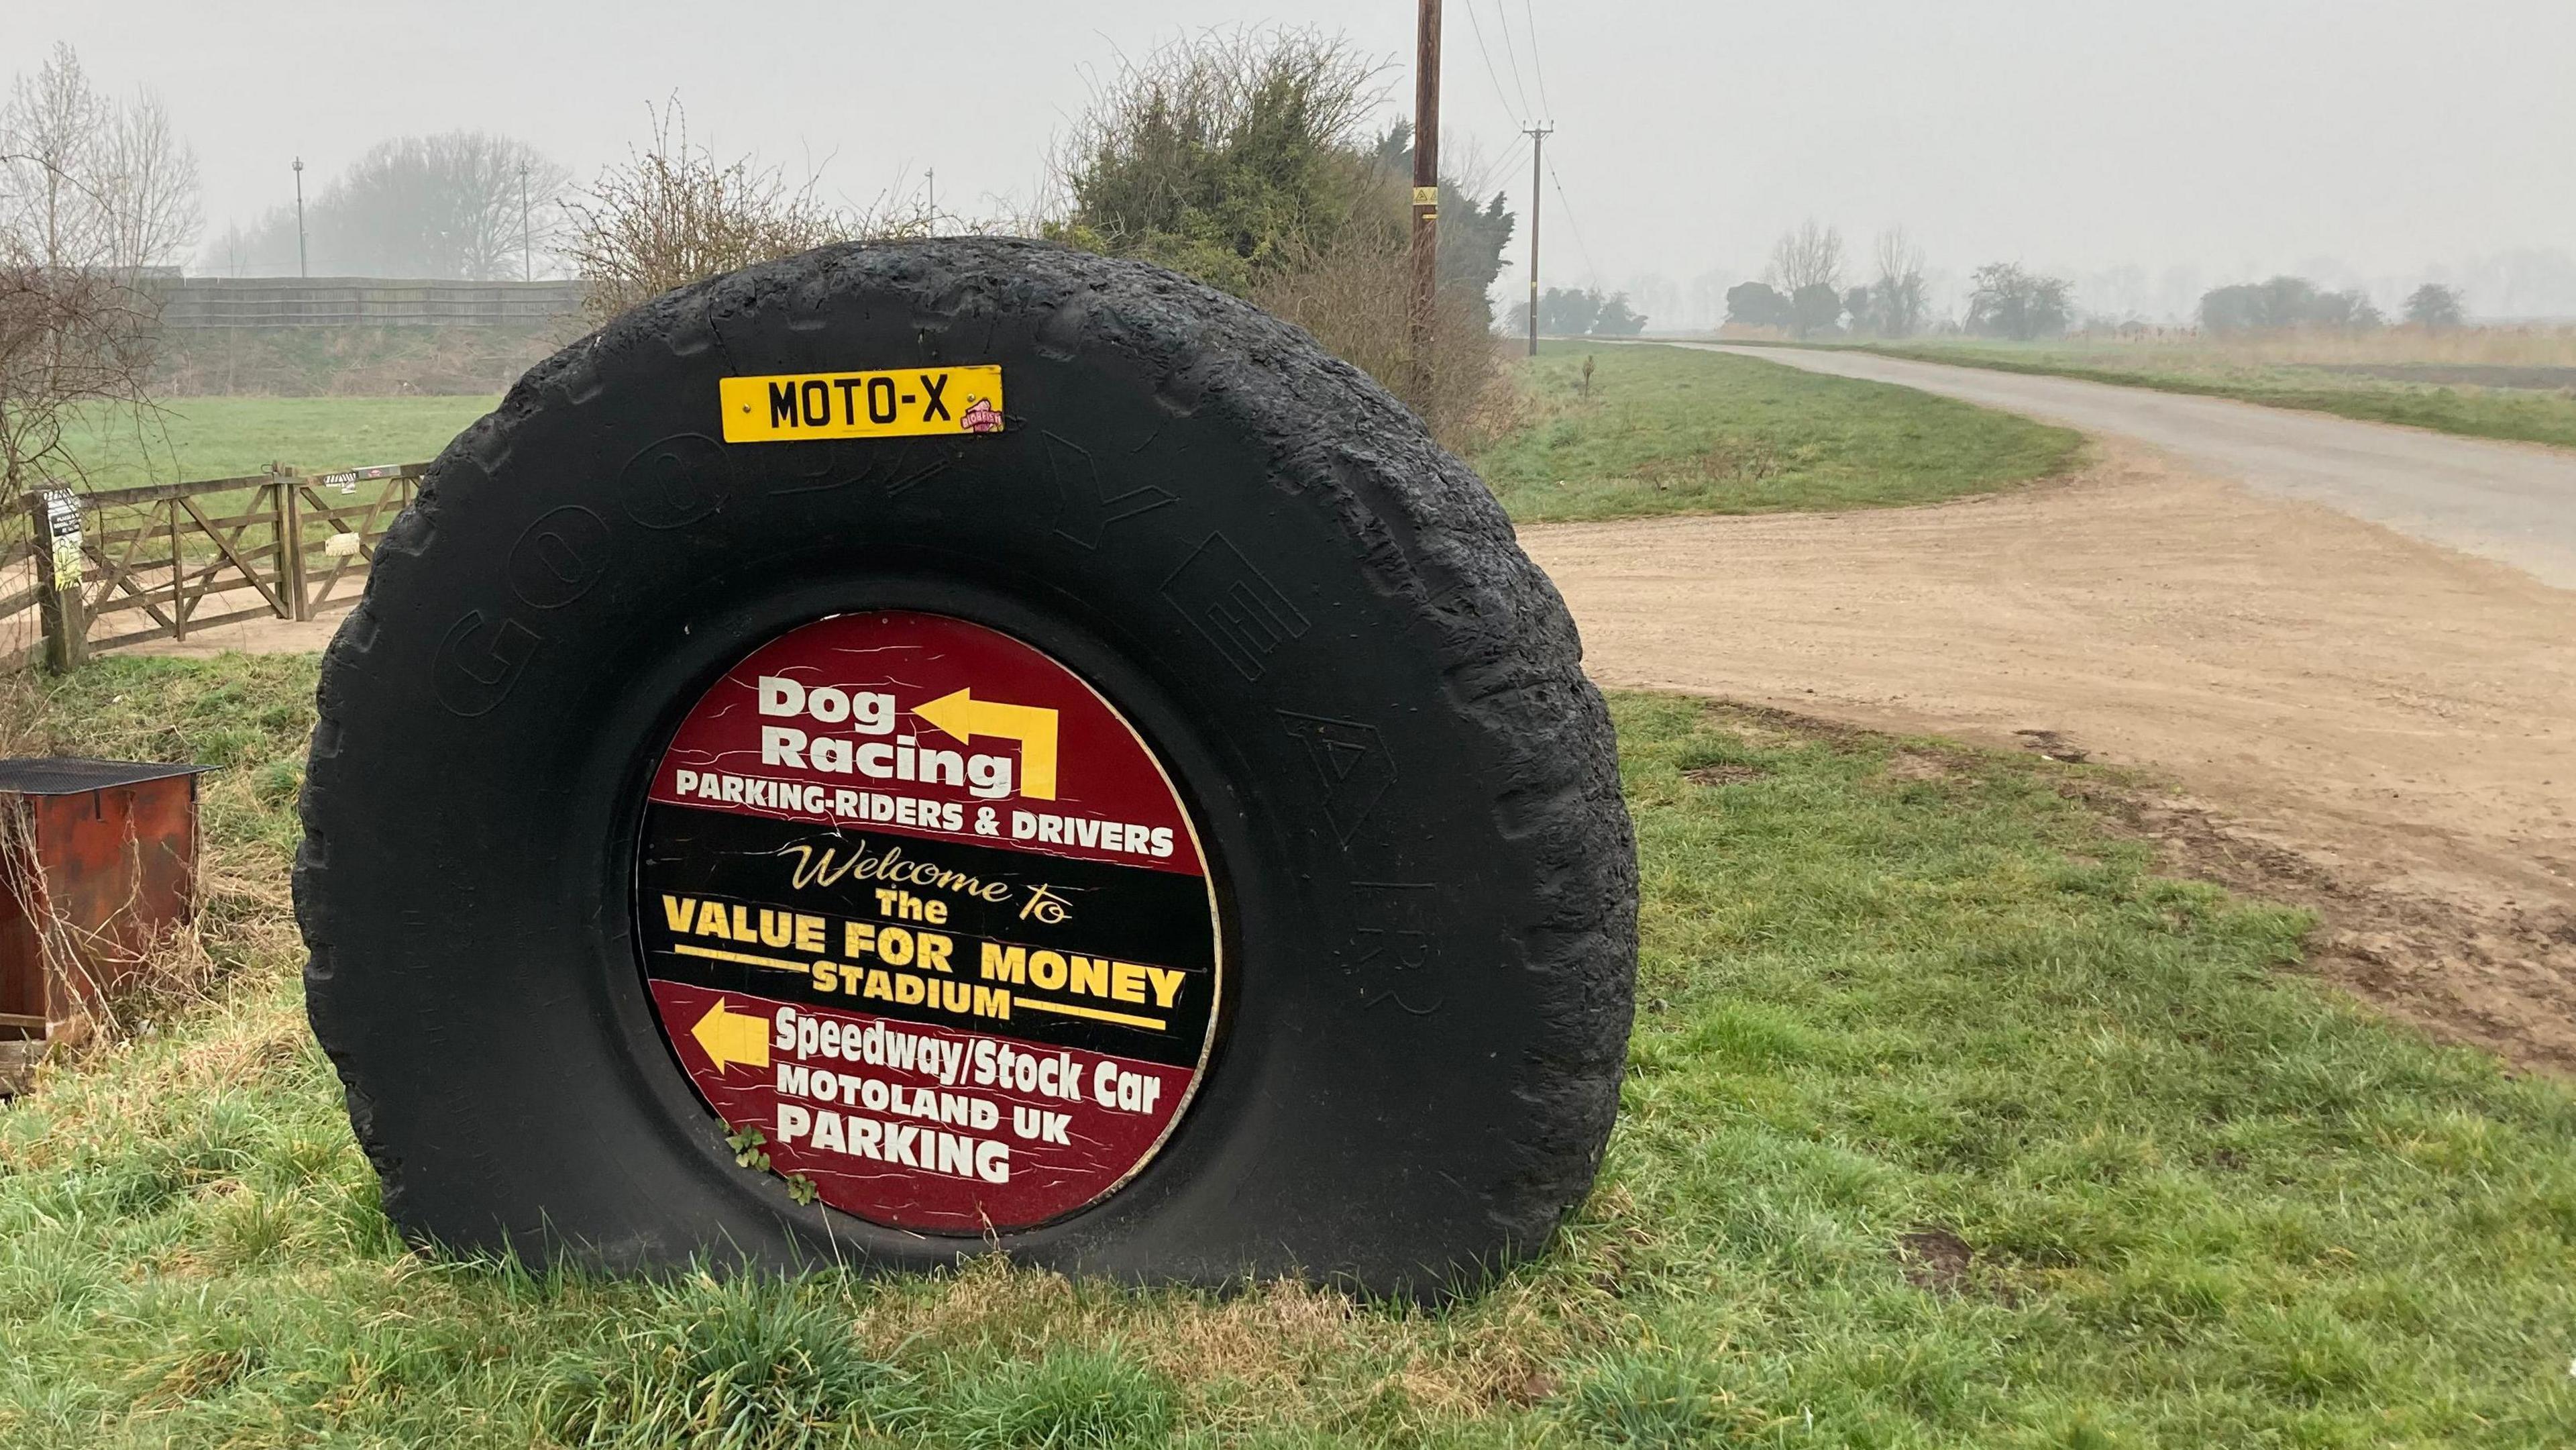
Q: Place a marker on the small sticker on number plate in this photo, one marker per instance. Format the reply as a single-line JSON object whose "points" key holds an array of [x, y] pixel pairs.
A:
{"points": [[896, 403]]}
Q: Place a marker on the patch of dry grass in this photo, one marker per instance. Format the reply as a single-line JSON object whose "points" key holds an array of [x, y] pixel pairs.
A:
{"points": [[2510, 383], [2522, 346], [1351, 299]]}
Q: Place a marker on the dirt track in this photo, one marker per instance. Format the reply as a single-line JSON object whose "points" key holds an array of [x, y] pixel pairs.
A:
{"points": [[2385, 729]]}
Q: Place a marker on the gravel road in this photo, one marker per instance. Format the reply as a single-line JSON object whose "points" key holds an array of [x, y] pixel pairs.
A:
{"points": [[2512, 502]]}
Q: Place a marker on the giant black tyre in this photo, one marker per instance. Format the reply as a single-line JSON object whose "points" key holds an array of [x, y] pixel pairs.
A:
{"points": [[1364, 697]]}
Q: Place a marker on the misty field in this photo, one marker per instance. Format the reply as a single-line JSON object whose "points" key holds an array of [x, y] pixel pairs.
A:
{"points": [[1947, 1122], [2513, 384], [1661, 430]]}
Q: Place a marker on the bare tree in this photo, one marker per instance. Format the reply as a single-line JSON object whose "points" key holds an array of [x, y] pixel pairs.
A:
{"points": [[461, 204], [86, 182], [147, 179], [90, 192], [48, 136], [673, 214], [230, 254], [1899, 298], [1811, 256]]}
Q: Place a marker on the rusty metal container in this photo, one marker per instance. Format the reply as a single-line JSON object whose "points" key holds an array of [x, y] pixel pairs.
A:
{"points": [[98, 859]]}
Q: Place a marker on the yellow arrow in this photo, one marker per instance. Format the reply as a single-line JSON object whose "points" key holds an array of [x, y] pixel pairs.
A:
{"points": [[731, 1037], [962, 715]]}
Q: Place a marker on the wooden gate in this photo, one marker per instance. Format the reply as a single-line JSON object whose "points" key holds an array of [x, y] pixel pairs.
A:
{"points": [[160, 561]]}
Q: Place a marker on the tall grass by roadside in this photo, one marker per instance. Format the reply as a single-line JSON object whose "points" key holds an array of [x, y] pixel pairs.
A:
{"points": [[1947, 1123], [1468, 396], [1620, 430], [2535, 345]]}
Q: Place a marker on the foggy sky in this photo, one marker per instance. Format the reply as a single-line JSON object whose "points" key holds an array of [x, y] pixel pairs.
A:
{"points": [[2194, 141]]}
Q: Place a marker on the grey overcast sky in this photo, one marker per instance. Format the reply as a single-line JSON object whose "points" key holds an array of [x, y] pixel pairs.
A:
{"points": [[2189, 142]]}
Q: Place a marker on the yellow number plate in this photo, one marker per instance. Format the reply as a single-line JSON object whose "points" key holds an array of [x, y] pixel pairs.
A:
{"points": [[902, 402]]}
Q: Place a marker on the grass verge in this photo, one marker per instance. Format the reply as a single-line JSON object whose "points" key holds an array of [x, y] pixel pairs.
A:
{"points": [[1664, 430], [1947, 1123], [2512, 414], [215, 437]]}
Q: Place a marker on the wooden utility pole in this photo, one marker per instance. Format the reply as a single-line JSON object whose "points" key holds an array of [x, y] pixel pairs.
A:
{"points": [[1426, 191], [1538, 137]]}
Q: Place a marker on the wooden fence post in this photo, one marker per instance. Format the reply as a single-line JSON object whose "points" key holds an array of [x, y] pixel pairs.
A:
{"points": [[178, 581], [55, 550], [290, 544]]}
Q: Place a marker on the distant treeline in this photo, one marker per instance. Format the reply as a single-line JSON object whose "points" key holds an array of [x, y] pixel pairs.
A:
{"points": [[1802, 294], [2286, 304], [1572, 312]]}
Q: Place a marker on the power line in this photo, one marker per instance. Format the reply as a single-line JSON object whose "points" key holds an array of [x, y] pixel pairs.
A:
{"points": [[1537, 67], [1563, 200], [1505, 21], [1490, 74]]}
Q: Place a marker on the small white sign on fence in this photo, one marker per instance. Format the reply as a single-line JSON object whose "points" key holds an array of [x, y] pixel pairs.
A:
{"points": [[63, 525]]}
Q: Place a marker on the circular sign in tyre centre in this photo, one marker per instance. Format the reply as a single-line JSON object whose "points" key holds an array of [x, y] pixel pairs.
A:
{"points": [[926, 924]]}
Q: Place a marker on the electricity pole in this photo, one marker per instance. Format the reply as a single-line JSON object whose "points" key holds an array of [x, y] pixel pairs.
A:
{"points": [[300, 268], [1426, 190], [1538, 138], [527, 248]]}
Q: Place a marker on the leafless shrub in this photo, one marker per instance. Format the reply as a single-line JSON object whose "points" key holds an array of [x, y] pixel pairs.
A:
{"points": [[674, 213], [69, 340]]}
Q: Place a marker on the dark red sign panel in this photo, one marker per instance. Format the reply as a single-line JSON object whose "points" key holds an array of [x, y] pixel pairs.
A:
{"points": [[921, 910]]}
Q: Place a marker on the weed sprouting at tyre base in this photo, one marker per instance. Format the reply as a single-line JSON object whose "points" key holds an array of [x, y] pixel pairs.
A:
{"points": [[943, 746]]}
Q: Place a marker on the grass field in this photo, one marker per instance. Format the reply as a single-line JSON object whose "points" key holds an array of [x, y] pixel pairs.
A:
{"points": [[1660, 430], [2253, 375], [1673, 430], [231, 437], [1947, 1123]]}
